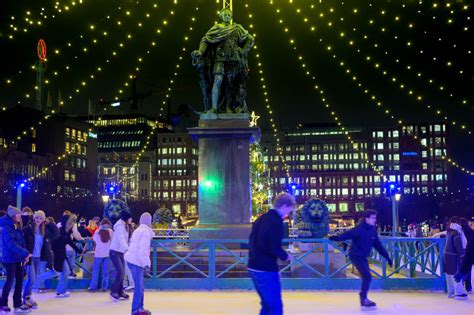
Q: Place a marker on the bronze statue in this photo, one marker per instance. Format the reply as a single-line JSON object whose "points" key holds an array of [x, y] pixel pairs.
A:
{"points": [[221, 62]]}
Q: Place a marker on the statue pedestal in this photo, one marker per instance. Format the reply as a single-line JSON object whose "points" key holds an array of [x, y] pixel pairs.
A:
{"points": [[225, 190]]}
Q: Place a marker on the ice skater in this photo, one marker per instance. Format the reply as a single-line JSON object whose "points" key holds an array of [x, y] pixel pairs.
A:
{"points": [[364, 237], [264, 251]]}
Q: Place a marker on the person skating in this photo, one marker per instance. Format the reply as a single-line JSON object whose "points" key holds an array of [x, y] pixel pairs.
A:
{"points": [[14, 257], [118, 247], [46, 270], [265, 249], [61, 264], [102, 239], [35, 234], [452, 257], [138, 261], [364, 237]]}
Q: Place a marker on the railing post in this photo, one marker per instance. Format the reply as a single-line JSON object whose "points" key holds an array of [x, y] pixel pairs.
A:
{"points": [[326, 257], [411, 254], [155, 259], [212, 263], [441, 243]]}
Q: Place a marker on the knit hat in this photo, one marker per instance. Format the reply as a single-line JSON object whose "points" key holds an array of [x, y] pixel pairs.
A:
{"points": [[125, 215], [40, 214], [145, 218], [12, 211]]}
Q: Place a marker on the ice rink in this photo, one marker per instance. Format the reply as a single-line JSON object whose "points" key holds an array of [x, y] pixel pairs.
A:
{"points": [[246, 302]]}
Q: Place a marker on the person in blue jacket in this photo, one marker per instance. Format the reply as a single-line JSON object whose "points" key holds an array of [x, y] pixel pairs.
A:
{"points": [[364, 237], [14, 257]]}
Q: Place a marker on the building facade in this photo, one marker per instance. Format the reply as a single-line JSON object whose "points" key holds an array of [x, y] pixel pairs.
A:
{"points": [[60, 143], [324, 164]]}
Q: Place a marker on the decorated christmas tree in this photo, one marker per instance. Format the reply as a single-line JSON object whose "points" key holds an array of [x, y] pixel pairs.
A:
{"points": [[260, 180]]}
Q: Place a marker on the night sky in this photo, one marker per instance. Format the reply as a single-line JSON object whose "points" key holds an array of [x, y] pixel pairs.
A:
{"points": [[291, 92]]}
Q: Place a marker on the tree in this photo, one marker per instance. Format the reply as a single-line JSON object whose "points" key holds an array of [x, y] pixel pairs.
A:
{"points": [[260, 180]]}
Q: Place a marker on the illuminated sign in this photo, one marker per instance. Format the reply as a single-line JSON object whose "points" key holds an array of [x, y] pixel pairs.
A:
{"points": [[92, 135], [409, 153]]}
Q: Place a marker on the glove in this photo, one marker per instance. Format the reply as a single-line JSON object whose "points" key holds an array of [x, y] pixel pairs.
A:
{"points": [[389, 262], [333, 238], [458, 277]]}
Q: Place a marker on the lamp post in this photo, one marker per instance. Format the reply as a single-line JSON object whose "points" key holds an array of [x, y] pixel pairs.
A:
{"points": [[105, 198], [19, 190], [395, 195]]}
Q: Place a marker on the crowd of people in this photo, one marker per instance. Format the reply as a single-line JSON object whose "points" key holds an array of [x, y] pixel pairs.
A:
{"points": [[36, 246]]}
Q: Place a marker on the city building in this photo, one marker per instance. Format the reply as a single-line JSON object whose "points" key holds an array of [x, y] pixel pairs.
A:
{"points": [[324, 164], [31, 141], [176, 181], [127, 154]]}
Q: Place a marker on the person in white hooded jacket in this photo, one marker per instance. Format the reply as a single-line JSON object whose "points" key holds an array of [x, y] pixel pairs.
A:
{"points": [[138, 260], [118, 247]]}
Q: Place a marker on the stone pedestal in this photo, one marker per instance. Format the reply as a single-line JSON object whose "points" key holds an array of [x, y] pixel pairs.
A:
{"points": [[225, 190]]}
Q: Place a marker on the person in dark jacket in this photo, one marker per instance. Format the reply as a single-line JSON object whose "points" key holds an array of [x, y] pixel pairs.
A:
{"points": [[264, 251], [469, 233], [83, 229], [452, 257], [59, 249], [14, 256], [364, 237], [46, 270]]}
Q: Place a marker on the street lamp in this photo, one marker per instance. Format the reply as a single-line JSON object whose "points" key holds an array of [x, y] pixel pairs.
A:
{"points": [[105, 198], [19, 190], [393, 189]]}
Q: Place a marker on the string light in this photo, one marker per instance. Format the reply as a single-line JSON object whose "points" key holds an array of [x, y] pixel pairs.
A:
{"points": [[375, 99], [99, 68], [394, 80], [56, 52], [377, 65], [25, 23], [267, 102], [323, 99], [167, 96]]}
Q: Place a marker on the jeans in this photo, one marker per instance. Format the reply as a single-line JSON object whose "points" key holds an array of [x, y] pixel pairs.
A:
{"points": [[32, 272], [454, 288], [71, 259], [119, 264], [467, 280], [128, 280], [39, 284], [138, 275], [268, 288], [362, 265], [62, 277], [14, 273], [96, 270]]}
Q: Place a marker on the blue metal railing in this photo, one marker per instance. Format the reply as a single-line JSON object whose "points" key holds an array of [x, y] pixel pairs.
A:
{"points": [[319, 264]]}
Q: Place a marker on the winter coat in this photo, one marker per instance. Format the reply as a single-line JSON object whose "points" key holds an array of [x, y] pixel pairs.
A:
{"points": [[59, 245], [51, 233], [13, 242], [138, 252], [265, 242], [102, 249], [453, 252], [364, 237], [84, 231], [468, 259], [121, 237]]}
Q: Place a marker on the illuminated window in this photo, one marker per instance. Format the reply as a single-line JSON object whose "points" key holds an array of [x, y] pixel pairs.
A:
{"points": [[359, 207], [66, 175], [68, 132], [379, 134], [331, 207], [343, 207], [379, 146], [437, 128]]}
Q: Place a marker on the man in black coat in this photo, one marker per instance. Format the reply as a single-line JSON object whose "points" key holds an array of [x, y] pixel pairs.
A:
{"points": [[364, 237], [264, 250]]}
